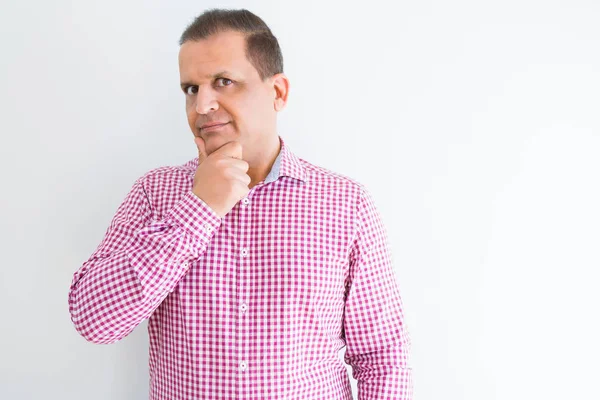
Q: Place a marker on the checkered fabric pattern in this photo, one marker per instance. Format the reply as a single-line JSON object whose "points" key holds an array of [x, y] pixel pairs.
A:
{"points": [[257, 304]]}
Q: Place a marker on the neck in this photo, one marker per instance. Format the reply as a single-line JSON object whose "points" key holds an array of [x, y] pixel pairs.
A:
{"points": [[262, 161]]}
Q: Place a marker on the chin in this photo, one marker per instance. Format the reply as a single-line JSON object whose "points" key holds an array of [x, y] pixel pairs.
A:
{"points": [[215, 141]]}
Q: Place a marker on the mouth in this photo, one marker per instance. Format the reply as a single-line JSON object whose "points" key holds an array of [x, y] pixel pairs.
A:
{"points": [[213, 128]]}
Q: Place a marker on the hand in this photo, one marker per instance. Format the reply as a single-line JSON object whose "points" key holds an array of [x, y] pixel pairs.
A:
{"points": [[221, 179]]}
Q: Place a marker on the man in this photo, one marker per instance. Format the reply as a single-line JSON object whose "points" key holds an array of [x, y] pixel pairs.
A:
{"points": [[254, 266]]}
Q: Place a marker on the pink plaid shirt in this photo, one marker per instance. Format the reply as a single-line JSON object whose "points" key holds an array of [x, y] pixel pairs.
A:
{"points": [[257, 304]]}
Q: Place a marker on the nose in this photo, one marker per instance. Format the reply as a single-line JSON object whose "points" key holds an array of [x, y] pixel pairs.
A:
{"points": [[206, 100]]}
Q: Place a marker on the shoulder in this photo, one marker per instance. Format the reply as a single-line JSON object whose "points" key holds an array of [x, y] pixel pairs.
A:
{"points": [[324, 177], [168, 178], [186, 169], [348, 190]]}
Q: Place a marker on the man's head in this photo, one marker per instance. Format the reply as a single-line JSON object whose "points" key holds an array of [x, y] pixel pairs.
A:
{"points": [[231, 71]]}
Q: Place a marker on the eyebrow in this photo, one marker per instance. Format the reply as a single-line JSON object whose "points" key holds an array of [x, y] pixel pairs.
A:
{"points": [[211, 76]]}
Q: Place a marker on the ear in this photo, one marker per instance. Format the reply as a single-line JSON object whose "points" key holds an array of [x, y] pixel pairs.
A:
{"points": [[281, 86]]}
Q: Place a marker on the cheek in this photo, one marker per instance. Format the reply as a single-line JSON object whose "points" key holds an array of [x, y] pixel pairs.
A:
{"points": [[191, 115], [254, 110]]}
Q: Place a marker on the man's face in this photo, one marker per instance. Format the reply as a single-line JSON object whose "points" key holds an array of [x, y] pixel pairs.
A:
{"points": [[221, 85]]}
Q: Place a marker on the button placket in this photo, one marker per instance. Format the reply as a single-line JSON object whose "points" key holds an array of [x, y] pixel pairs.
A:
{"points": [[243, 307]]}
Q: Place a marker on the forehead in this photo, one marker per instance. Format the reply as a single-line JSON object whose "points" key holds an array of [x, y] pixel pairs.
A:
{"points": [[224, 51]]}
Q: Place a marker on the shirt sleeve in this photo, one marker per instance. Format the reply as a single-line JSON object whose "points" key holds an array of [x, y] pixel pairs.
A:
{"points": [[138, 263], [377, 340]]}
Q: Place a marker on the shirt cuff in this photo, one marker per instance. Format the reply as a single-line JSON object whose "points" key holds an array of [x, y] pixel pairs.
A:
{"points": [[195, 216]]}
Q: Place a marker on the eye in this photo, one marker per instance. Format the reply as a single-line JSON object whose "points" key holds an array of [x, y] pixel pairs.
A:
{"points": [[186, 89], [225, 81]]}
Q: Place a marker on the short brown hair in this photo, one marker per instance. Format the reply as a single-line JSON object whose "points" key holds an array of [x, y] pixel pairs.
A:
{"points": [[262, 47]]}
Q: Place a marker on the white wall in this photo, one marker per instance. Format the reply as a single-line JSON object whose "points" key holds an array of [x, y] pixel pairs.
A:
{"points": [[475, 124]]}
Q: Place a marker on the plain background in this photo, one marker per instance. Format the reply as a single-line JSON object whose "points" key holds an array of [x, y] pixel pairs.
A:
{"points": [[474, 124]]}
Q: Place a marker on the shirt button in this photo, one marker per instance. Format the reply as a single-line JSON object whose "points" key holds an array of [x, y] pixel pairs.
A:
{"points": [[185, 264], [245, 202], [244, 307], [244, 252], [208, 228], [243, 365]]}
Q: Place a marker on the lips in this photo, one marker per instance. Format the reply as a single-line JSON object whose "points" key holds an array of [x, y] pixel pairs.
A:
{"points": [[213, 125]]}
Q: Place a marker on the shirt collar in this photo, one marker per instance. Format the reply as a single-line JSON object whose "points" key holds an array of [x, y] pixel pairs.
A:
{"points": [[286, 164]]}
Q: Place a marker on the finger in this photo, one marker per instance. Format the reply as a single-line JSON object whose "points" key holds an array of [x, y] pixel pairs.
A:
{"points": [[241, 165]]}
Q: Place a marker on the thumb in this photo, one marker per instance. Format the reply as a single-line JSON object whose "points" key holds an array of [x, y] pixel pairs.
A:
{"points": [[201, 149]]}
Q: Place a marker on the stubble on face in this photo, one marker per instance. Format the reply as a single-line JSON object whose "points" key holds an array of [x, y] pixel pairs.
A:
{"points": [[244, 102]]}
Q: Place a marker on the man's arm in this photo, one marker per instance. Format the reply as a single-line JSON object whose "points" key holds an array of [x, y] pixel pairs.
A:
{"points": [[137, 264], [377, 340]]}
